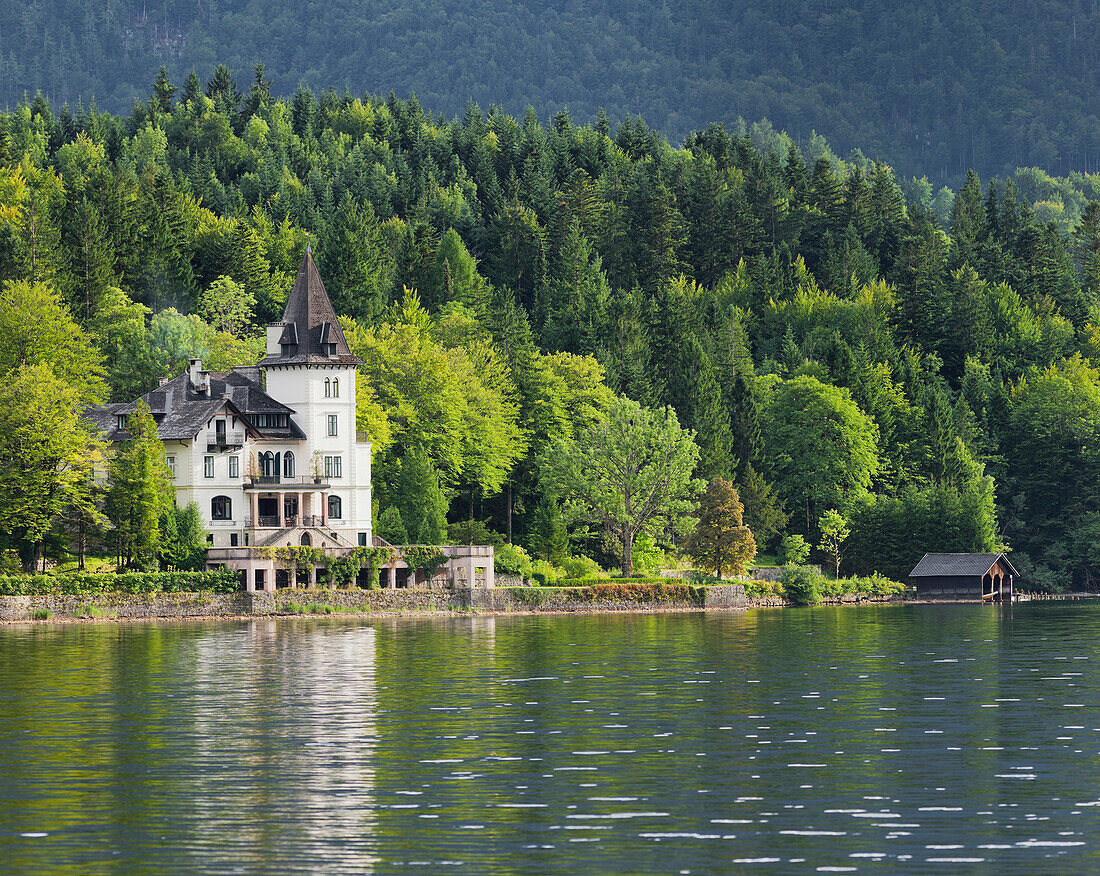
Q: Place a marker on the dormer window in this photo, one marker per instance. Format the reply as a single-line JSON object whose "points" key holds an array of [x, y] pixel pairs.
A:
{"points": [[123, 422], [332, 349]]}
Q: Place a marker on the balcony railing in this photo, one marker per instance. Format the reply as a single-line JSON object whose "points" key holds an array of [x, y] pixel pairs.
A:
{"points": [[254, 481], [225, 441], [289, 522]]}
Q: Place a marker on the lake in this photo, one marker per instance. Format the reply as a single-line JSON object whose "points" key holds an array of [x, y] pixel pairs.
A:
{"points": [[912, 739]]}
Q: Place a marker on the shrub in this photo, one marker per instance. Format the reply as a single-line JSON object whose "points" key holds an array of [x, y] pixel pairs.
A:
{"points": [[546, 573], [511, 559], [41, 614], [581, 567], [795, 550], [764, 590], [473, 532], [88, 583], [802, 585]]}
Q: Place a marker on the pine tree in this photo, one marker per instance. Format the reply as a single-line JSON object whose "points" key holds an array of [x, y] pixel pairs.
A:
{"points": [[546, 535], [163, 92], [355, 261], [391, 527], [764, 511], [421, 501]]}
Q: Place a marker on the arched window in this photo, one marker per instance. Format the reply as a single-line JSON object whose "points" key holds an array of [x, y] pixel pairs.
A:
{"points": [[288, 465], [336, 387], [268, 466], [335, 508], [328, 387], [221, 508], [306, 540]]}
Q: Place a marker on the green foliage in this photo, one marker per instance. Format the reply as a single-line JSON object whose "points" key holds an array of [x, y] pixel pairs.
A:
{"points": [[90, 584], [892, 533], [831, 341], [546, 573], [226, 305], [802, 585], [821, 447], [428, 558], [631, 473], [343, 571], [834, 531], [391, 527], [183, 542], [473, 532], [423, 506], [580, 568], [510, 559], [720, 540], [795, 550], [140, 492], [47, 457], [646, 591]]}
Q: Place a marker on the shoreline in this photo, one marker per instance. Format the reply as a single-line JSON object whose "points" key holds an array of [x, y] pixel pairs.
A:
{"points": [[391, 604], [361, 604]]}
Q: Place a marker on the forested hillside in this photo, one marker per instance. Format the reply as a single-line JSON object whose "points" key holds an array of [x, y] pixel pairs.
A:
{"points": [[932, 88], [831, 346]]}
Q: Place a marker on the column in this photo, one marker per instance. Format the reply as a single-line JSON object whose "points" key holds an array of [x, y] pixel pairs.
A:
{"points": [[254, 507], [312, 576], [491, 570], [324, 508], [279, 510], [391, 577]]}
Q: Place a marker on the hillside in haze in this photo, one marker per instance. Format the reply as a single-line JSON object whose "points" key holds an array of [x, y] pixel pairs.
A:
{"points": [[932, 88]]}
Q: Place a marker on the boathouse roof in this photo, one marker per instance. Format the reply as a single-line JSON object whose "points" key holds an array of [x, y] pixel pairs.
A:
{"points": [[958, 565]]}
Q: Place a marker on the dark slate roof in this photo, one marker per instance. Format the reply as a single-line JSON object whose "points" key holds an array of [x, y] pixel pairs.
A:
{"points": [[181, 411], [957, 565], [310, 324]]}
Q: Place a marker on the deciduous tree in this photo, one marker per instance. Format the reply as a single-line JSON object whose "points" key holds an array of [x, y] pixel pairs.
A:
{"points": [[720, 540], [632, 472]]}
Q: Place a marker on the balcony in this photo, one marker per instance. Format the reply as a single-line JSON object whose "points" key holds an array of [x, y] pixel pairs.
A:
{"points": [[225, 441], [277, 482], [284, 522]]}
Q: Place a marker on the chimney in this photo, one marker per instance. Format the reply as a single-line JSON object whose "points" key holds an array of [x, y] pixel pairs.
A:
{"points": [[163, 380], [199, 379]]}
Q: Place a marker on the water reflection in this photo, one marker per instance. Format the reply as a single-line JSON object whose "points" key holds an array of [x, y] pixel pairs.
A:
{"points": [[922, 738]]}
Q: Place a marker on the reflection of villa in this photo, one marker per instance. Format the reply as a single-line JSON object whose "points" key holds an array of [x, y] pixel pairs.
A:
{"points": [[270, 453]]}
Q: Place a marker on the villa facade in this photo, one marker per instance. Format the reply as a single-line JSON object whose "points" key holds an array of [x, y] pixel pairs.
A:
{"points": [[270, 453]]}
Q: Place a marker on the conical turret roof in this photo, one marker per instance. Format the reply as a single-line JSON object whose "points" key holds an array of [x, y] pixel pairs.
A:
{"points": [[311, 333]]}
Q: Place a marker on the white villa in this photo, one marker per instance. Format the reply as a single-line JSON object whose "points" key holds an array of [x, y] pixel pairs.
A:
{"points": [[270, 453]]}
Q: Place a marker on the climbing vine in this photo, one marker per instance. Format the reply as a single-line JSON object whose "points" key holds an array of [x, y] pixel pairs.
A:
{"points": [[430, 559]]}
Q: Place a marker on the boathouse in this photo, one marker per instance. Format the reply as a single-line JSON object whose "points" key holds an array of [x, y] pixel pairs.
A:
{"points": [[985, 577]]}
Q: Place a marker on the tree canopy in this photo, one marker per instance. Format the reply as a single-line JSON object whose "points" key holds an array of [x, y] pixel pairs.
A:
{"points": [[631, 473]]}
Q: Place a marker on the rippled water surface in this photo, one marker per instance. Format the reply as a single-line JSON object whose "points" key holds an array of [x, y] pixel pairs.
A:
{"points": [[914, 739]]}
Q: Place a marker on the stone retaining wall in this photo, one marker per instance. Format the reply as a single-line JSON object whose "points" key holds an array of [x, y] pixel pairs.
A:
{"points": [[199, 605], [124, 605], [371, 600]]}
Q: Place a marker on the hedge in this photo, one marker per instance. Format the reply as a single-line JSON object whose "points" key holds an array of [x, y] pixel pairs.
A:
{"points": [[621, 590], [88, 583]]}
